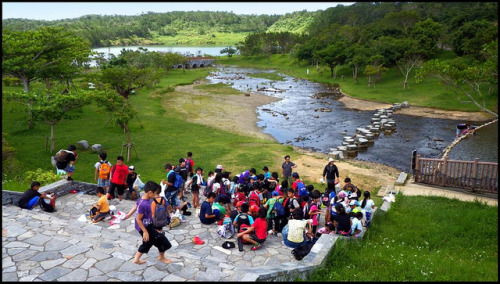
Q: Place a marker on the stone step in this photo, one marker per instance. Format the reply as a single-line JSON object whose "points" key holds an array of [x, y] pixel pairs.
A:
{"points": [[401, 179]]}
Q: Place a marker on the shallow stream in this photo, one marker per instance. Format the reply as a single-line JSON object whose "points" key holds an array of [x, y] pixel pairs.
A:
{"points": [[292, 121]]}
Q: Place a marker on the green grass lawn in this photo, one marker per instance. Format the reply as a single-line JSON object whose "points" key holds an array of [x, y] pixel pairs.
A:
{"points": [[429, 93], [166, 137], [420, 239]]}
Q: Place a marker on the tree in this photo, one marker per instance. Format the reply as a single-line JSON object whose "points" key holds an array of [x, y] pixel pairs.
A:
{"points": [[229, 50], [469, 38], [426, 34], [45, 54], [333, 55], [51, 106], [475, 81], [358, 59], [406, 64], [120, 110]]}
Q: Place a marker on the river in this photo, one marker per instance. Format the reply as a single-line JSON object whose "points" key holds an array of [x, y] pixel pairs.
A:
{"points": [[429, 136]]}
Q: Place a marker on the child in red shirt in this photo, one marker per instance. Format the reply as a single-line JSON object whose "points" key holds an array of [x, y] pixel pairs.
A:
{"points": [[259, 227]]}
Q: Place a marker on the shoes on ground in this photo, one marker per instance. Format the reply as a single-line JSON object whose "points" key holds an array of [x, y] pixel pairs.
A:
{"points": [[257, 246]]}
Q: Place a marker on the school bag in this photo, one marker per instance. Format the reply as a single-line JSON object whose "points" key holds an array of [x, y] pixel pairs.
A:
{"points": [[305, 210], [61, 155], [188, 165], [159, 212], [253, 199], [301, 252], [93, 212], [226, 230], [243, 220], [300, 185], [104, 170], [178, 179], [174, 222], [243, 175], [278, 209], [222, 188]]}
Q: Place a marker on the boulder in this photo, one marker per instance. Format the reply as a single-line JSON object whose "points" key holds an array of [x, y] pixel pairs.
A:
{"points": [[96, 148], [405, 104], [83, 143]]}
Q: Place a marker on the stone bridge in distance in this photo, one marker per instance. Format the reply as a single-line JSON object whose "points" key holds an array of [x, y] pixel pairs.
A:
{"points": [[196, 62]]}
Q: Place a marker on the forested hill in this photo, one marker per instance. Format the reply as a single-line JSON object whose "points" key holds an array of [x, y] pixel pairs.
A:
{"points": [[182, 28]]}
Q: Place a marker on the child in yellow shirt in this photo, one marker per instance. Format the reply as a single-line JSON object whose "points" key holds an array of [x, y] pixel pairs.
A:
{"points": [[102, 206]]}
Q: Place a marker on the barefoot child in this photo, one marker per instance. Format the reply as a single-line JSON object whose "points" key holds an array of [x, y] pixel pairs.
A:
{"points": [[144, 225]]}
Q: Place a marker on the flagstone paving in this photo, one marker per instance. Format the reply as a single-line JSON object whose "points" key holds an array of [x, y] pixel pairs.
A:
{"points": [[41, 246]]}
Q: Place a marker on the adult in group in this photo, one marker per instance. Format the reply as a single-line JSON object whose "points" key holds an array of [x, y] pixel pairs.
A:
{"points": [[144, 225], [119, 173], [331, 174], [32, 197], [294, 233], [67, 164], [286, 169]]}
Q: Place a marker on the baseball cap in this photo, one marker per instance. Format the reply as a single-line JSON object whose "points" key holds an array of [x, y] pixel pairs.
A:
{"points": [[353, 202], [254, 208], [131, 168], [356, 210], [239, 203], [295, 175], [228, 245], [219, 167], [276, 193]]}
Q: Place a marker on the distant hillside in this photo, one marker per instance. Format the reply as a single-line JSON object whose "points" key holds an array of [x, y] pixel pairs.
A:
{"points": [[172, 28]]}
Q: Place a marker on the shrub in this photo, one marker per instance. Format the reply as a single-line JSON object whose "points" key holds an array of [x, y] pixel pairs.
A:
{"points": [[43, 177], [10, 81]]}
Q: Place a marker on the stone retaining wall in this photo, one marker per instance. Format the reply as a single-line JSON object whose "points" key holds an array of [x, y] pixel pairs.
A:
{"points": [[60, 188]]}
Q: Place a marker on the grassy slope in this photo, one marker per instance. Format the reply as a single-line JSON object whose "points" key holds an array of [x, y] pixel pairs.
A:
{"points": [[429, 93], [421, 239], [166, 137]]}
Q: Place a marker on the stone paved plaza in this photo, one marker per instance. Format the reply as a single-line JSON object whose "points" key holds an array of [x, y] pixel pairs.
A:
{"points": [[41, 246]]}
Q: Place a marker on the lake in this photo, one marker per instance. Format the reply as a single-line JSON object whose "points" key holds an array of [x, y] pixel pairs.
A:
{"points": [[185, 50]]}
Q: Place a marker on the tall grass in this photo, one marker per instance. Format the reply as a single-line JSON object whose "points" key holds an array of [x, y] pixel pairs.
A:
{"points": [[429, 93], [420, 239]]}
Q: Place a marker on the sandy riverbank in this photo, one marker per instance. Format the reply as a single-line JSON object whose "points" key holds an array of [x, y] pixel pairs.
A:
{"points": [[359, 104]]}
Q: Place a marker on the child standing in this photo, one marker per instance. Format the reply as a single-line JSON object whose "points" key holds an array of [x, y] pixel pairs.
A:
{"points": [[196, 183], [118, 178], [102, 206], [314, 212], [367, 205], [272, 220], [131, 177], [102, 170], [144, 225]]}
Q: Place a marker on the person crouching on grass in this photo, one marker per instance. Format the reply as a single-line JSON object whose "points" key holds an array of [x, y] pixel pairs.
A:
{"points": [[144, 225]]}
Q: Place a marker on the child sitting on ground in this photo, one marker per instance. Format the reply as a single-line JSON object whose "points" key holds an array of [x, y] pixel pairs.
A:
{"points": [[102, 205], [328, 229]]}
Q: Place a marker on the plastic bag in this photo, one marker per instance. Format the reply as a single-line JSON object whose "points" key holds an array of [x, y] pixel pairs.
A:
{"points": [[138, 183], [117, 218], [163, 188]]}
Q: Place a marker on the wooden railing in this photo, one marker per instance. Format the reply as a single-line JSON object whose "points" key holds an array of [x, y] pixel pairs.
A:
{"points": [[471, 175]]}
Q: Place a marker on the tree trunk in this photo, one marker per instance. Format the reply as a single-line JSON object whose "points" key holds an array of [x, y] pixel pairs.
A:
{"points": [[369, 81], [355, 74], [26, 84], [125, 127], [331, 71], [47, 83], [52, 138]]}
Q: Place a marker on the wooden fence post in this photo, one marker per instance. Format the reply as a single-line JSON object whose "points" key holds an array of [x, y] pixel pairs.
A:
{"points": [[417, 169], [443, 172], [474, 173]]}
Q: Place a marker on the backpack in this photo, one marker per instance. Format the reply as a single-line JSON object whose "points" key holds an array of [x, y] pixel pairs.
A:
{"points": [[243, 227], [301, 252], [222, 189], [226, 230], [300, 186], [104, 170], [278, 209], [326, 197], [243, 175], [188, 165], [253, 199], [174, 222], [159, 212], [243, 220], [93, 212], [61, 155], [305, 210], [208, 188], [178, 180]]}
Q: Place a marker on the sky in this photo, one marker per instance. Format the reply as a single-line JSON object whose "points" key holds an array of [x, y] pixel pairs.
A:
{"points": [[63, 10]]}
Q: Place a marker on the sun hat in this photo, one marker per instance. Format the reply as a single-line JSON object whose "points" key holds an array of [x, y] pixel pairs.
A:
{"points": [[131, 168], [331, 160], [219, 167]]}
